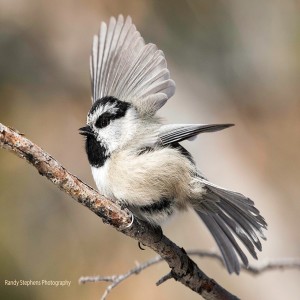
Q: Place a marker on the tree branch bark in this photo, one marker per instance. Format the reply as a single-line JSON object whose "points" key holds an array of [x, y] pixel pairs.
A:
{"points": [[183, 269]]}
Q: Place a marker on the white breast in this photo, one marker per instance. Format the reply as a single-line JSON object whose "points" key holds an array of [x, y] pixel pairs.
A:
{"points": [[101, 179]]}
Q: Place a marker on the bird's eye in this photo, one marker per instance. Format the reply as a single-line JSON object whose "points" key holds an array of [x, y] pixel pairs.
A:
{"points": [[102, 121]]}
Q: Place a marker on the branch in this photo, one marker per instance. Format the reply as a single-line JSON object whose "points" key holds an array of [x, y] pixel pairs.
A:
{"points": [[275, 264], [117, 279], [183, 269], [268, 265]]}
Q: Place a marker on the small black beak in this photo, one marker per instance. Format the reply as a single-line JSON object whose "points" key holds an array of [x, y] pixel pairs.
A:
{"points": [[86, 130]]}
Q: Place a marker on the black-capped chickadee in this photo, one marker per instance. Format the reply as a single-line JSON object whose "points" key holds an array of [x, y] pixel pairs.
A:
{"points": [[138, 161]]}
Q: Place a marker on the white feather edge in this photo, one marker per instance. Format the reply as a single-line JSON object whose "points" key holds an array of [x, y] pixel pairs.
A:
{"points": [[123, 66]]}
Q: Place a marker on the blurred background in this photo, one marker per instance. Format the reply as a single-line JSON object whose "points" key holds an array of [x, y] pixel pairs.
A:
{"points": [[233, 61]]}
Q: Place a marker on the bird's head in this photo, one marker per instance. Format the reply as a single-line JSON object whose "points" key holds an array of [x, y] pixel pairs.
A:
{"points": [[111, 123]]}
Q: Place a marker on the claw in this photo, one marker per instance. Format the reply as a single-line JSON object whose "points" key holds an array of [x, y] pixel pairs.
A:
{"points": [[139, 244]]}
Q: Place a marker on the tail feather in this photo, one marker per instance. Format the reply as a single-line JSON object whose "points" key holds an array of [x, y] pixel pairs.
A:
{"points": [[240, 233], [249, 218], [243, 225], [230, 237], [241, 204], [223, 243], [235, 198], [235, 214]]}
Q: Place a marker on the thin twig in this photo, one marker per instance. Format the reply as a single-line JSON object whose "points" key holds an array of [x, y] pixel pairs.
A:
{"points": [[267, 265], [117, 279], [274, 264], [262, 267], [164, 278]]}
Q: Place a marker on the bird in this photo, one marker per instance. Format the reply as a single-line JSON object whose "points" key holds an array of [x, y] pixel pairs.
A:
{"points": [[137, 160]]}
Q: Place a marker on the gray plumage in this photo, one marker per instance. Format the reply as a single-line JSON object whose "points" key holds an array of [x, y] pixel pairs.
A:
{"points": [[179, 132], [137, 160], [123, 66]]}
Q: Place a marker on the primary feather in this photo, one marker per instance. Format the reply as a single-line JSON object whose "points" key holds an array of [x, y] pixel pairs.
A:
{"points": [[123, 66], [179, 132]]}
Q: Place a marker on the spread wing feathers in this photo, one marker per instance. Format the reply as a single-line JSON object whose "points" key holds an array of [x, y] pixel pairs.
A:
{"points": [[178, 132], [235, 214], [123, 66]]}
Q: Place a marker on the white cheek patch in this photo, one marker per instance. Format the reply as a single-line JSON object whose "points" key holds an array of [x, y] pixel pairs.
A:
{"points": [[119, 131], [111, 135]]}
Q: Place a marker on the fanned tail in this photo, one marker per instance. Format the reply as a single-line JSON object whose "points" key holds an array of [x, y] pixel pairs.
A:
{"points": [[226, 213]]}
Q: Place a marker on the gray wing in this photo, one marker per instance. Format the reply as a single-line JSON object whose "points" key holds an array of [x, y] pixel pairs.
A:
{"points": [[178, 132], [226, 213], [123, 66]]}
